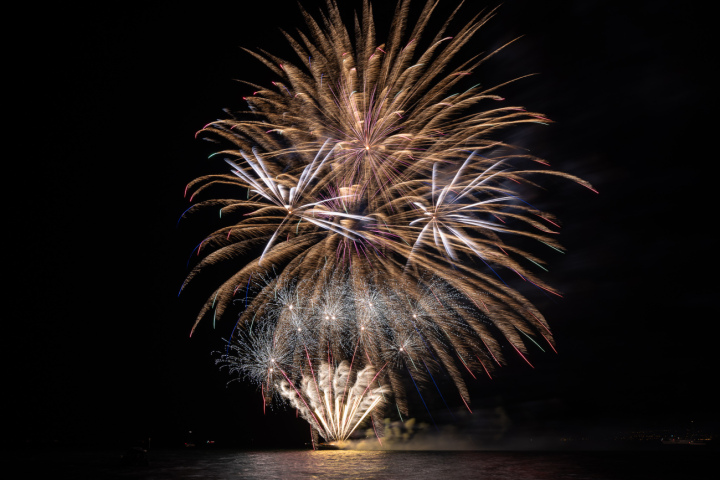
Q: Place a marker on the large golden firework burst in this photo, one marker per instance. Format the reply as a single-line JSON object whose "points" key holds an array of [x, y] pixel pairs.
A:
{"points": [[379, 207]]}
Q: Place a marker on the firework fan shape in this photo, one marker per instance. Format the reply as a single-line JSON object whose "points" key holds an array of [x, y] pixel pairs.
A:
{"points": [[381, 213]]}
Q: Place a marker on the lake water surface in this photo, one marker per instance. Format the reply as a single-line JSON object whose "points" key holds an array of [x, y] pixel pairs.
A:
{"points": [[367, 465]]}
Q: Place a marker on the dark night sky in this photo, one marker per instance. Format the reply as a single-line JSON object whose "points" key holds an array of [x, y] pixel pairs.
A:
{"points": [[111, 97]]}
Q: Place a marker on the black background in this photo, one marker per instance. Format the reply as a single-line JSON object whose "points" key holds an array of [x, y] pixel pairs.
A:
{"points": [[110, 97]]}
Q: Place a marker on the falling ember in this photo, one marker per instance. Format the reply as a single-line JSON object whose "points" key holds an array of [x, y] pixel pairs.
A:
{"points": [[376, 221]]}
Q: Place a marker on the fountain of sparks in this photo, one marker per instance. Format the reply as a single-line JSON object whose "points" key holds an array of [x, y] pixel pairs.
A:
{"points": [[332, 401]]}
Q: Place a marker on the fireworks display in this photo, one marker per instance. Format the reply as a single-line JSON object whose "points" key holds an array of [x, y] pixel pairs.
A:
{"points": [[376, 218]]}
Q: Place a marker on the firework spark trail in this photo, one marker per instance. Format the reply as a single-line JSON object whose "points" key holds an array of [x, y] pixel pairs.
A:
{"points": [[376, 215]]}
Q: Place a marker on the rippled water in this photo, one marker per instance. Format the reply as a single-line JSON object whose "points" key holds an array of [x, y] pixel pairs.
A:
{"points": [[366, 465]]}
